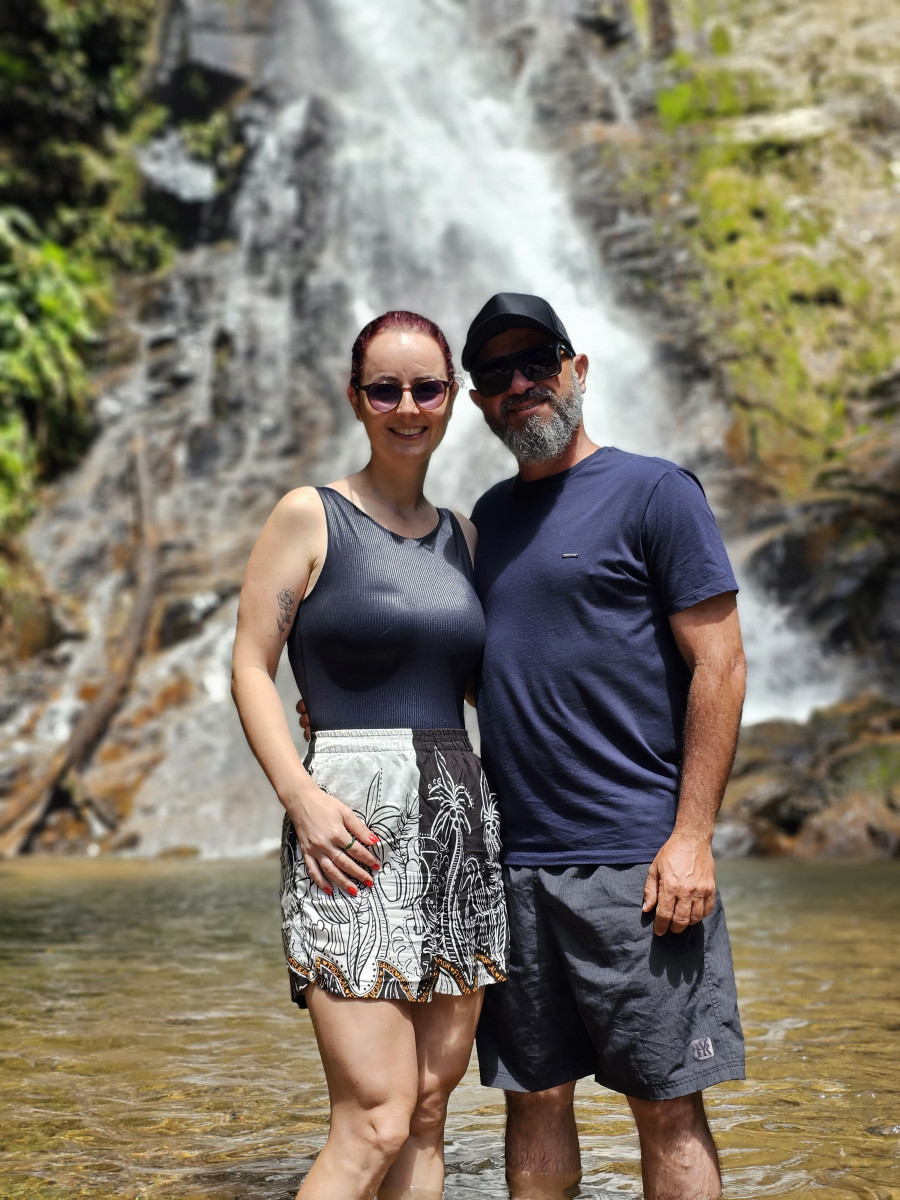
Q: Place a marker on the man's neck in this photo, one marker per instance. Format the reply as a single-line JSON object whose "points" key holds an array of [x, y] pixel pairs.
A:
{"points": [[580, 448]]}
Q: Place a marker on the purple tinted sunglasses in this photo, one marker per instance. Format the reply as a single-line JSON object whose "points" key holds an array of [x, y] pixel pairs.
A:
{"points": [[385, 396]]}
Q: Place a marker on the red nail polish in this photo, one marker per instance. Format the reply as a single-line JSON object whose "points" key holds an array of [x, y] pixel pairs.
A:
{"points": [[352, 891], [373, 840], [376, 867], [370, 883], [327, 891]]}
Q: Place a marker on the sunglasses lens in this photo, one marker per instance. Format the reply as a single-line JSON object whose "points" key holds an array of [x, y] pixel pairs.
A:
{"points": [[384, 396], [537, 362], [491, 379], [429, 393], [540, 362]]}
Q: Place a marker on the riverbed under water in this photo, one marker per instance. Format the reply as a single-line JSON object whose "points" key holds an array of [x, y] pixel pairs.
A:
{"points": [[149, 1051]]}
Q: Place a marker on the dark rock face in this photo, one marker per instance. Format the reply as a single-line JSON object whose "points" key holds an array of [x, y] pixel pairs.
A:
{"points": [[565, 92], [222, 395], [835, 559], [209, 50], [610, 20], [828, 788], [179, 190]]}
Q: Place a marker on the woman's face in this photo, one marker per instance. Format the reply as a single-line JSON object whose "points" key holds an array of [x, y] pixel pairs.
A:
{"points": [[405, 357]]}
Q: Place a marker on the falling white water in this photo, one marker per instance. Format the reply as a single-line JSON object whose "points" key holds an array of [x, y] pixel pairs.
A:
{"points": [[438, 202]]}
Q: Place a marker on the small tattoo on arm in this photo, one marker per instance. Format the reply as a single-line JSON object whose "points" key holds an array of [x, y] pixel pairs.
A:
{"points": [[285, 600]]}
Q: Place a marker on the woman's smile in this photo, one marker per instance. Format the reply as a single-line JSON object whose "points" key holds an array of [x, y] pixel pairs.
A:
{"points": [[410, 434]]}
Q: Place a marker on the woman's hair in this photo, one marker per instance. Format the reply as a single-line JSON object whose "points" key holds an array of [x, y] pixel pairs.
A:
{"points": [[396, 319]]}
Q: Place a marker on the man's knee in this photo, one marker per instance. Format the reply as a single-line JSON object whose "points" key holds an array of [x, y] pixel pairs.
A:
{"points": [[680, 1117], [551, 1101]]}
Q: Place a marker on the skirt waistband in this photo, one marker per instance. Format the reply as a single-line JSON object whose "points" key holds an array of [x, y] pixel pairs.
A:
{"points": [[362, 741]]}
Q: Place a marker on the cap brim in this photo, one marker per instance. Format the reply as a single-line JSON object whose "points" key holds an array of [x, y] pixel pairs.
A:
{"points": [[499, 324]]}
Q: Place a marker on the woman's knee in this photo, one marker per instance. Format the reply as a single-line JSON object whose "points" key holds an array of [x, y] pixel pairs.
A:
{"points": [[380, 1130], [430, 1113]]}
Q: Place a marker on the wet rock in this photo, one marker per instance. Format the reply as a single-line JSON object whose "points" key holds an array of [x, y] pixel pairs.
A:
{"points": [[857, 826], [780, 130], [611, 20], [829, 787], [184, 618], [208, 50], [835, 557], [178, 189], [566, 93], [880, 113]]}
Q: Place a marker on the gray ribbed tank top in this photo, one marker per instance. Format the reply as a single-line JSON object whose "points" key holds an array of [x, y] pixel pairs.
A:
{"points": [[392, 632]]}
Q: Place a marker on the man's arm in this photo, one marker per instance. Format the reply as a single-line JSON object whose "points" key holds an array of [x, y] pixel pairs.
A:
{"points": [[681, 882]]}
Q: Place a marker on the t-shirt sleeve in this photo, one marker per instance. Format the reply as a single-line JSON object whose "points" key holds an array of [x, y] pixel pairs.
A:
{"points": [[685, 556]]}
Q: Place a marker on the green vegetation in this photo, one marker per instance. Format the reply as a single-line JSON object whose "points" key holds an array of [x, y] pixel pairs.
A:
{"points": [[71, 215], [48, 306], [702, 92], [797, 297]]}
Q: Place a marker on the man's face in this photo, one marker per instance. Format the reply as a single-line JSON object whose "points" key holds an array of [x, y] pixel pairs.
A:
{"points": [[536, 420]]}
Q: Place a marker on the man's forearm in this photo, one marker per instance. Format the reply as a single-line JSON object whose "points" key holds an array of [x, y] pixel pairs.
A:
{"points": [[713, 719]]}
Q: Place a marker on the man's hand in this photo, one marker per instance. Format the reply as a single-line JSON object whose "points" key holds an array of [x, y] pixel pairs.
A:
{"points": [[681, 884]]}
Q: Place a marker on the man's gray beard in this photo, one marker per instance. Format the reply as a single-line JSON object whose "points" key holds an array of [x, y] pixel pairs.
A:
{"points": [[540, 438]]}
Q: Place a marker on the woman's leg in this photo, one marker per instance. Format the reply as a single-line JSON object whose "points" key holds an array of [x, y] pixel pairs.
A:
{"points": [[369, 1052], [445, 1031]]}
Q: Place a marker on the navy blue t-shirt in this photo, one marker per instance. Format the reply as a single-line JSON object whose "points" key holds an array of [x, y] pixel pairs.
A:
{"points": [[583, 691]]}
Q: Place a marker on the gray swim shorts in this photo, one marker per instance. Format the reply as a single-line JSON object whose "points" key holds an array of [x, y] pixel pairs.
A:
{"points": [[593, 991]]}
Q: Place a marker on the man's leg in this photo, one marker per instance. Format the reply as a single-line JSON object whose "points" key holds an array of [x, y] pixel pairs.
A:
{"points": [[543, 1158], [678, 1155]]}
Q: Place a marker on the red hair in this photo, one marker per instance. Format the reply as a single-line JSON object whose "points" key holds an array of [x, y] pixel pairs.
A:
{"points": [[396, 319]]}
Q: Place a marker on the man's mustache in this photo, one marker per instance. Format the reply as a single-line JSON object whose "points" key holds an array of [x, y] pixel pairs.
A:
{"points": [[529, 397]]}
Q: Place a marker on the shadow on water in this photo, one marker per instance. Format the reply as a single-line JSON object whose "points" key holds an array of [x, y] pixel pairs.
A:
{"points": [[148, 1048]]}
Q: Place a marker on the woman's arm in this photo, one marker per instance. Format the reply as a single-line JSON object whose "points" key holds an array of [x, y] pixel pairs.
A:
{"points": [[288, 554], [470, 533]]}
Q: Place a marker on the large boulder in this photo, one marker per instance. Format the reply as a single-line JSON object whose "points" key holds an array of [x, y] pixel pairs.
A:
{"points": [[827, 788]]}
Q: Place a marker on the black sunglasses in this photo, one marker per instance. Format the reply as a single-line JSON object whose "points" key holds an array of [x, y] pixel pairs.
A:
{"points": [[386, 395], [537, 362]]}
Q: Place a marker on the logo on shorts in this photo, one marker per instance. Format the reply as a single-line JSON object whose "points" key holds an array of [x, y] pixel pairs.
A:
{"points": [[702, 1049]]}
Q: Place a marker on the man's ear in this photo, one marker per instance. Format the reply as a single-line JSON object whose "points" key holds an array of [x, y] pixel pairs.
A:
{"points": [[580, 367], [353, 397], [476, 398]]}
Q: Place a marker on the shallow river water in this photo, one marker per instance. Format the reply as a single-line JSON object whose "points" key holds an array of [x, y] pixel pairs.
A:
{"points": [[148, 1049]]}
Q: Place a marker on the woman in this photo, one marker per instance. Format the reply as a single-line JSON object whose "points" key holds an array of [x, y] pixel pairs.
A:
{"points": [[391, 891]]}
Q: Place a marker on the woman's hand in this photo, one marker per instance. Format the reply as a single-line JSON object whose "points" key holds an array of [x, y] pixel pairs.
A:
{"points": [[304, 718], [335, 842]]}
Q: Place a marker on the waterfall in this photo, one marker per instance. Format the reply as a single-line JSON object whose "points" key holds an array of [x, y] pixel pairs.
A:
{"points": [[439, 200], [398, 170]]}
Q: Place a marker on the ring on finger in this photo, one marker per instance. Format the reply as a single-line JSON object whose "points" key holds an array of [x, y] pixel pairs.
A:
{"points": [[349, 844]]}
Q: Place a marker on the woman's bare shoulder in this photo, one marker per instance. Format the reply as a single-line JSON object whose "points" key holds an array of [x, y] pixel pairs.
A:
{"points": [[470, 533], [300, 506]]}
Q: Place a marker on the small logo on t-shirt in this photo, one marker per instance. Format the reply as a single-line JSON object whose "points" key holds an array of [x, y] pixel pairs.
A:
{"points": [[702, 1048], [570, 556]]}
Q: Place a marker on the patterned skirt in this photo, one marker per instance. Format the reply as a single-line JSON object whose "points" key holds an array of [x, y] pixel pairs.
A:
{"points": [[435, 919]]}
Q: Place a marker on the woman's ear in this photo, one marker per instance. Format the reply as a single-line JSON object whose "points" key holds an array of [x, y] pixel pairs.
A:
{"points": [[353, 397]]}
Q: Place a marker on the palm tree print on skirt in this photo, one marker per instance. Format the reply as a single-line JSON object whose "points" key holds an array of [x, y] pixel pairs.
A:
{"points": [[435, 918]]}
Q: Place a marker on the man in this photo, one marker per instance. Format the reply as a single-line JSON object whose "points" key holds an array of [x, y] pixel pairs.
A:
{"points": [[609, 707]]}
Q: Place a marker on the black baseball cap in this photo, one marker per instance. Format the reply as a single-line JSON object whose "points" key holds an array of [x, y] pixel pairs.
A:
{"points": [[512, 310]]}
